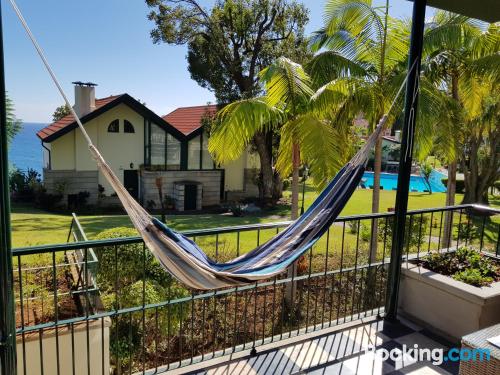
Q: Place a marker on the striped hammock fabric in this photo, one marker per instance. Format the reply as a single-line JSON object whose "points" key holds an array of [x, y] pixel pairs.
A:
{"points": [[183, 258]]}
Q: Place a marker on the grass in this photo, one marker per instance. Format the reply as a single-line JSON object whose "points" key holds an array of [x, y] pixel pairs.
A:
{"points": [[31, 227]]}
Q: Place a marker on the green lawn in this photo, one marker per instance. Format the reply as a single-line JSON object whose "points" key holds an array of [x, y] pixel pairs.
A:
{"points": [[32, 227]]}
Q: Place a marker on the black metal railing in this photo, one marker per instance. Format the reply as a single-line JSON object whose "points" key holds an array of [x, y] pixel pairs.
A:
{"points": [[146, 321]]}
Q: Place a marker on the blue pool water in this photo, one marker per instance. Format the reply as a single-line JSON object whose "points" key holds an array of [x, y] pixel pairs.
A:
{"points": [[389, 181]]}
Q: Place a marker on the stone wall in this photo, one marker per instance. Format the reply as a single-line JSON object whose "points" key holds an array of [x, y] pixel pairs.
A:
{"points": [[73, 181], [180, 192], [210, 185]]}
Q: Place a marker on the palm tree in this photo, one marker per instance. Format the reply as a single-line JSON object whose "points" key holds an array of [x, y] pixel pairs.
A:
{"points": [[457, 50], [291, 107], [305, 136], [361, 64], [365, 49]]}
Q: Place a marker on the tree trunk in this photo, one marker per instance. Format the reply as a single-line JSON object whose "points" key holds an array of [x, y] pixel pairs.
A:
{"points": [[369, 295], [480, 170], [295, 181], [451, 187], [277, 186], [266, 167], [377, 169], [291, 287]]}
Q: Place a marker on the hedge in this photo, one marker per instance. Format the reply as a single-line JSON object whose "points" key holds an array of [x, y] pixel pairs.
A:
{"points": [[460, 185]]}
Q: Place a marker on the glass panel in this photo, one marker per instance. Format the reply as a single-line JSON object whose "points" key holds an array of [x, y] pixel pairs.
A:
{"points": [[157, 145], [194, 153], [206, 157], [147, 156], [173, 153], [114, 126], [128, 127]]}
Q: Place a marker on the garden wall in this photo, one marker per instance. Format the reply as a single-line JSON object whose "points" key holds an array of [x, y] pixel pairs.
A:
{"points": [[73, 181], [210, 184]]}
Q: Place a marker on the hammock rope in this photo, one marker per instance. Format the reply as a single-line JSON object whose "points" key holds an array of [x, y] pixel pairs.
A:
{"points": [[181, 257]]}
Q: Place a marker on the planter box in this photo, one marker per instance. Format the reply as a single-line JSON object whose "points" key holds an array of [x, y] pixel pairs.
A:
{"points": [[442, 304], [98, 343]]}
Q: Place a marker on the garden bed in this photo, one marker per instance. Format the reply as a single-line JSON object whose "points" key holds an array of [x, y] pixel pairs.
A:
{"points": [[443, 303]]}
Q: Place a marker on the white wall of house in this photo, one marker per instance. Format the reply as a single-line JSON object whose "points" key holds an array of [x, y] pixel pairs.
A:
{"points": [[70, 152], [235, 171]]}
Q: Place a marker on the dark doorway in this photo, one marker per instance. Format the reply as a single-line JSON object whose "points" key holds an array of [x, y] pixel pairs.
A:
{"points": [[131, 182], [190, 195]]}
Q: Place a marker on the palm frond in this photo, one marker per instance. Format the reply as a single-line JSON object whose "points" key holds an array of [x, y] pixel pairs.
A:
{"points": [[14, 125], [237, 123], [329, 65], [319, 148], [287, 84]]}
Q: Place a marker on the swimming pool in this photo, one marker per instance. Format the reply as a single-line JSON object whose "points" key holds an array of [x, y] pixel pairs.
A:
{"points": [[389, 181]]}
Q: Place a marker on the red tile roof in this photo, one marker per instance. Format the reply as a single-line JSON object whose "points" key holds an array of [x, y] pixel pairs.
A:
{"points": [[69, 119], [188, 119]]}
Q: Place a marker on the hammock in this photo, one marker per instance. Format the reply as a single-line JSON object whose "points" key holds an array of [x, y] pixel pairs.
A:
{"points": [[181, 257]]}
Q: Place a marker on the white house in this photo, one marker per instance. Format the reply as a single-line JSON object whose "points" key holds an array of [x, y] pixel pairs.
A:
{"points": [[143, 149]]}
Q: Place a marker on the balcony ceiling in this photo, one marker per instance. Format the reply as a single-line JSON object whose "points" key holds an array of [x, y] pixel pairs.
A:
{"points": [[484, 10]]}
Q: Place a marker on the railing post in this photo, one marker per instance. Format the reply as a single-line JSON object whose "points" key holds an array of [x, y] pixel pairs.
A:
{"points": [[7, 317], [405, 161]]}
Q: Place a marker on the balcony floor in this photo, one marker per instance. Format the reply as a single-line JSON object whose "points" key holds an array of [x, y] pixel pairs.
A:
{"points": [[340, 352]]}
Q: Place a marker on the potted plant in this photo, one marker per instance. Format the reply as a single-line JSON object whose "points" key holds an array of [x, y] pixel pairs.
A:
{"points": [[453, 292]]}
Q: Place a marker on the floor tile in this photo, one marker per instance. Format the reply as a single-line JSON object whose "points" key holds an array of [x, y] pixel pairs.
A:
{"points": [[395, 330], [345, 353]]}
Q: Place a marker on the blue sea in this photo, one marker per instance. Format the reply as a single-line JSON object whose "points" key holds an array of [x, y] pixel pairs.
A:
{"points": [[25, 151]]}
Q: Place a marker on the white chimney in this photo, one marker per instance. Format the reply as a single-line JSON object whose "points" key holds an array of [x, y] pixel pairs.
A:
{"points": [[84, 98]]}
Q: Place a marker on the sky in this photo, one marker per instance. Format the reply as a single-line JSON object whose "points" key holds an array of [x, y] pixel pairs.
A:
{"points": [[107, 42]]}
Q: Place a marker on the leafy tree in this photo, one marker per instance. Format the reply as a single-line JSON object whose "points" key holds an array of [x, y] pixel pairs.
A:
{"points": [[363, 47], [229, 45], [426, 172], [14, 125], [60, 112], [481, 140], [457, 51]]}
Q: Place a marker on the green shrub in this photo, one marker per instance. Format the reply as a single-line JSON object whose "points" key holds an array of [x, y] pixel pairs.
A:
{"points": [[414, 235], [353, 226], [47, 201], [24, 185], [286, 184], [473, 276], [130, 276], [460, 186], [365, 232], [468, 231], [466, 265]]}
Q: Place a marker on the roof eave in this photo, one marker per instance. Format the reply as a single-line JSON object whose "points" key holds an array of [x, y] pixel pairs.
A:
{"points": [[484, 10], [122, 99]]}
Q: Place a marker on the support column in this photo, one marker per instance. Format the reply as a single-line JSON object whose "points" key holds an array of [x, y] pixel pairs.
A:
{"points": [[7, 317], [405, 161]]}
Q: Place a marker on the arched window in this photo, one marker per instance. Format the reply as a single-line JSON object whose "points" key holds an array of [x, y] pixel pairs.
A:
{"points": [[128, 127], [114, 126]]}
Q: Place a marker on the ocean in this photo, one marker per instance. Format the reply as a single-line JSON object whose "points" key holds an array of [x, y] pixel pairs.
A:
{"points": [[25, 151]]}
